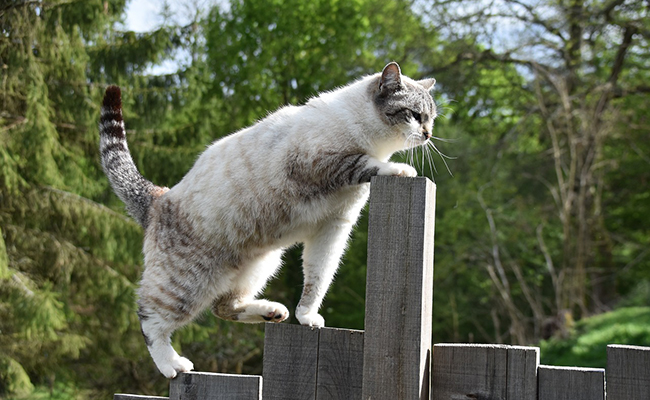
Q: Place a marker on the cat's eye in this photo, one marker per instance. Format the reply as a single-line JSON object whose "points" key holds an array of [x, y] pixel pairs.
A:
{"points": [[417, 116]]}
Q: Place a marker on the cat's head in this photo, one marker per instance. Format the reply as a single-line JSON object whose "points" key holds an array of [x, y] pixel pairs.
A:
{"points": [[406, 106]]}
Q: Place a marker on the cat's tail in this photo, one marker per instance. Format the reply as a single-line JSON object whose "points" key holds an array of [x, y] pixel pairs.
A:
{"points": [[133, 189]]}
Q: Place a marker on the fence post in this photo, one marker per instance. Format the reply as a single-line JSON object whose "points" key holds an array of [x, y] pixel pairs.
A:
{"points": [[399, 289]]}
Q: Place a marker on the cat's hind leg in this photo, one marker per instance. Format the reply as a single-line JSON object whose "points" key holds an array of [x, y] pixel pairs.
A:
{"points": [[157, 333], [165, 305], [239, 303]]}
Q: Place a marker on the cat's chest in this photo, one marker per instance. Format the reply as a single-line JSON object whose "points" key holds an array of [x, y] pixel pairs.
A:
{"points": [[310, 215]]}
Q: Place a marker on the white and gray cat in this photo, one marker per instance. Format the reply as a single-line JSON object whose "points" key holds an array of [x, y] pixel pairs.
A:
{"points": [[301, 175]]}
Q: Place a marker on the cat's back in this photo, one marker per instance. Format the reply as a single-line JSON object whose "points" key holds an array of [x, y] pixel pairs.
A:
{"points": [[258, 155], [251, 156], [246, 178]]}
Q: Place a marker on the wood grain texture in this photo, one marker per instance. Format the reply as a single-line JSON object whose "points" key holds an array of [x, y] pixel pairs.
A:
{"points": [[340, 364], [290, 362], [523, 363], [211, 386], [399, 289], [569, 383], [122, 396], [628, 372], [486, 372]]}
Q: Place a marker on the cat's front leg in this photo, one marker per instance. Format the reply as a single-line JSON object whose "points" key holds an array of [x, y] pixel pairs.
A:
{"points": [[321, 256]]}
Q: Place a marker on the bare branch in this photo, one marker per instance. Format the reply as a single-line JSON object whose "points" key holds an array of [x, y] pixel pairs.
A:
{"points": [[535, 19], [619, 60], [555, 279]]}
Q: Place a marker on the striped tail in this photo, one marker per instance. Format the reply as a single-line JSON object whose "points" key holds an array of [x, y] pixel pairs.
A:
{"points": [[132, 188]]}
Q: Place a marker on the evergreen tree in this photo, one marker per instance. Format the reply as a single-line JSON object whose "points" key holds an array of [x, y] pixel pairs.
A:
{"points": [[68, 263]]}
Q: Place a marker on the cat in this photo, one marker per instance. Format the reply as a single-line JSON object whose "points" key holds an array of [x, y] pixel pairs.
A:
{"points": [[300, 175]]}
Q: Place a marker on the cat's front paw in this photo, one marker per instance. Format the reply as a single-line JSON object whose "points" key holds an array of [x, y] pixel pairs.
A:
{"points": [[310, 319], [175, 366], [397, 169]]}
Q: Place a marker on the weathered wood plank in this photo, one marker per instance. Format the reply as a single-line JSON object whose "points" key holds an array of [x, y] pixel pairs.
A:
{"points": [[340, 364], [399, 289], [523, 363], [290, 362], [211, 386], [122, 396], [628, 372], [469, 370], [466, 371], [569, 383]]}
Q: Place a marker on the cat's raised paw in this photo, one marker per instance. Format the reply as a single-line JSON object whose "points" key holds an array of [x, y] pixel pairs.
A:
{"points": [[264, 310], [273, 316]]}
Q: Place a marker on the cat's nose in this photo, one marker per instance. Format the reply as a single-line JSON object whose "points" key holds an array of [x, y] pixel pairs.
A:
{"points": [[427, 134]]}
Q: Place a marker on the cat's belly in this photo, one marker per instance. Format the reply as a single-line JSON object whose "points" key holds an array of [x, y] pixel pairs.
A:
{"points": [[270, 218]]}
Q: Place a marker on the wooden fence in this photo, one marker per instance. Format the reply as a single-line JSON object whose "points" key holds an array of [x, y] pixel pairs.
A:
{"points": [[393, 359]]}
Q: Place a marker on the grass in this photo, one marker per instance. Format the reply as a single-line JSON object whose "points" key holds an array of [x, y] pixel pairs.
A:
{"points": [[586, 346], [60, 391]]}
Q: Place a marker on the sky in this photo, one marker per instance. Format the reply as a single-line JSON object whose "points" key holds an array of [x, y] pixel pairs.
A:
{"points": [[143, 15]]}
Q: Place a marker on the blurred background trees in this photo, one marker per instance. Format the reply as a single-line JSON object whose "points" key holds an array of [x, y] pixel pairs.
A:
{"points": [[543, 223]]}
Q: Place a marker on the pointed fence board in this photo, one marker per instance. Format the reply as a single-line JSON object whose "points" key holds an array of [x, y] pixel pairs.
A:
{"points": [[571, 383], [628, 372], [471, 371], [399, 289], [213, 386]]}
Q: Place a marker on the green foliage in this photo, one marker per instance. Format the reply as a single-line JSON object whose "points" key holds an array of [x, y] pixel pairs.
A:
{"points": [[587, 343], [13, 378], [58, 391], [267, 54], [4, 259], [544, 211], [67, 263]]}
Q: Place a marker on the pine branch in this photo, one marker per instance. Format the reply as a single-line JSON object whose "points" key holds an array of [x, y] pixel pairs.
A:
{"points": [[18, 4], [101, 207], [17, 122]]}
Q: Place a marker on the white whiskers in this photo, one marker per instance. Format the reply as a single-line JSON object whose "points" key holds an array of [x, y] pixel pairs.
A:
{"points": [[419, 154]]}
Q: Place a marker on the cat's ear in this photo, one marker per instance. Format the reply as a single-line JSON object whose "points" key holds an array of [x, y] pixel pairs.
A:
{"points": [[427, 83], [391, 77]]}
